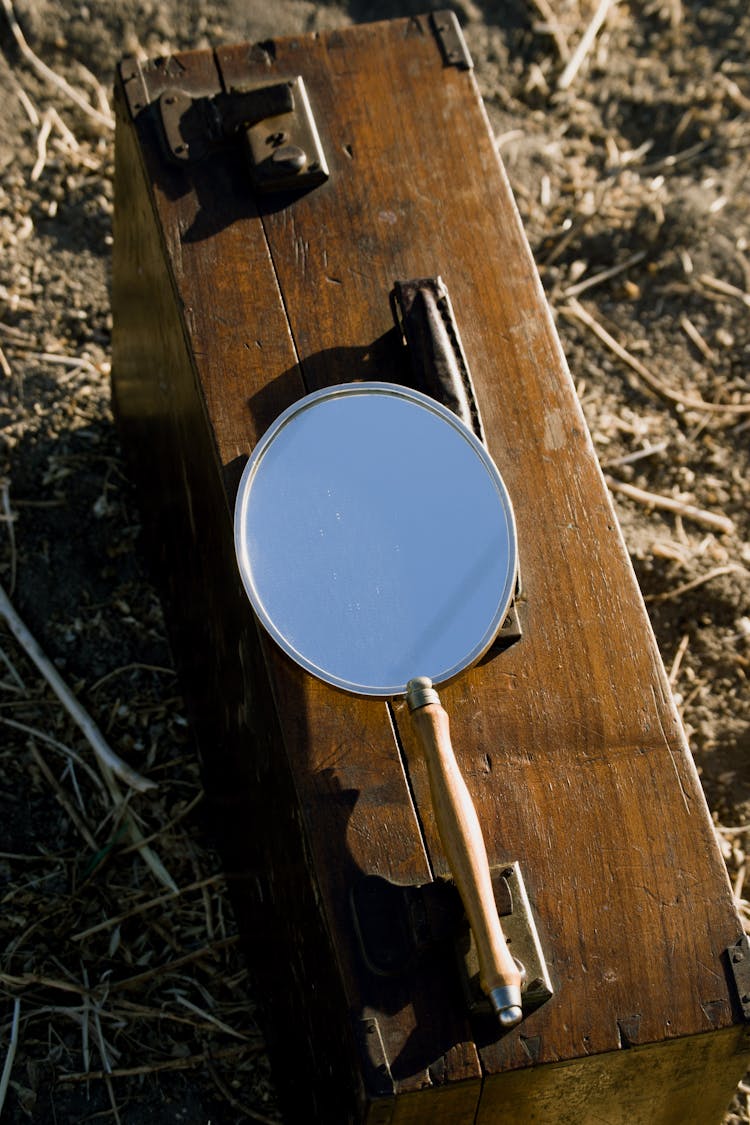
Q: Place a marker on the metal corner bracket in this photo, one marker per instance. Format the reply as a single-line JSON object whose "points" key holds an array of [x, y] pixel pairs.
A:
{"points": [[738, 956], [451, 39]]}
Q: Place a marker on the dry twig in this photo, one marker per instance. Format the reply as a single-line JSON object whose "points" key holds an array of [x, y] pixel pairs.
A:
{"points": [[718, 523], [29, 980], [675, 158], [41, 148], [185, 1063], [14, 674], [604, 275], [678, 591], [551, 26], [48, 74], [105, 755], [637, 455], [54, 742], [96, 86], [179, 962], [674, 671], [11, 1053], [5, 367], [132, 667], [9, 520], [695, 337], [207, 1016], [108, 923], [587, 41], [79, 363], [578, 312], [29, 107], [110, 764], [162, 831], [724, 287], [66, 136], [503, 139], [83, 829]]}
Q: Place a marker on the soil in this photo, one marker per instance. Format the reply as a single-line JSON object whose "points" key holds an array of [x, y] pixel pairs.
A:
{"points": [[633, 182]]}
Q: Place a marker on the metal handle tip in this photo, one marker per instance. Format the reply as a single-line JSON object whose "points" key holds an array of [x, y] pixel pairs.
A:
{"points": [[509, 1017], [506, 1003]]}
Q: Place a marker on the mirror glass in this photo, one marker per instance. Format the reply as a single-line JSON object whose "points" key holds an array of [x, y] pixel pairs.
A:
{"points": [[375, 538]]}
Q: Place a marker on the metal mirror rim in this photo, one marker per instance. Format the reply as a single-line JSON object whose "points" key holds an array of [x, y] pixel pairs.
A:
{"points": [[391, 390]]}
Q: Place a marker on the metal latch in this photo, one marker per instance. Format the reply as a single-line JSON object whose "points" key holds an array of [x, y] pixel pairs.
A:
{"points": [[522, 936], [274, 123]]}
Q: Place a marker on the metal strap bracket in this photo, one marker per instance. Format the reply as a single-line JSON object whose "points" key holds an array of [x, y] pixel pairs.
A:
{"points": [[523, 940], [423, 312], [424, 316]]}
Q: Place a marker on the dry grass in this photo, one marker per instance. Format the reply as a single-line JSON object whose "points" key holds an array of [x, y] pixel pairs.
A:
{"points": [[120, 956], [120, 960]]}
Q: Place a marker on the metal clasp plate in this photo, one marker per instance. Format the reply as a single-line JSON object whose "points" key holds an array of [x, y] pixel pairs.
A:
{"points": [[285, 149], [522, 936], [275, 122]]}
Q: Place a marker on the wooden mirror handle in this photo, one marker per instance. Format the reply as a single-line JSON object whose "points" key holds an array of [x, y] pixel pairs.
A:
{"points": [[461, 837]]}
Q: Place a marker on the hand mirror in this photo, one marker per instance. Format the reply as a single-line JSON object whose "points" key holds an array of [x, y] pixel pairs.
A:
{"points": [[376, 542]]}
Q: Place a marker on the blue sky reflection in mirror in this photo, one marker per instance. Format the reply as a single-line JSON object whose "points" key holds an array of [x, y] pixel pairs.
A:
{"points": [[376, 538]]}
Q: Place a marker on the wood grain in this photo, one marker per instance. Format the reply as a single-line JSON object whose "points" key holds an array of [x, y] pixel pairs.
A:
{"points": [[670, 1083], [227, 309], [239, 372], [173, 459], [569, 741]]}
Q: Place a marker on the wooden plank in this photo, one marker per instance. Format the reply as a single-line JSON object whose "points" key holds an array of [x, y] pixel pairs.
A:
{"points": [[678, 1081], [162, 417], [239, 372], [569, 741], [247, 372]]}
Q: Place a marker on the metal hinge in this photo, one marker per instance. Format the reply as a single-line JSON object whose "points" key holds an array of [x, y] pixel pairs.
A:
{"points": [[274, 122], [511, 630]]}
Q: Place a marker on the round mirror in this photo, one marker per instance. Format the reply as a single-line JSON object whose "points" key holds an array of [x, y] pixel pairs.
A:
{"points": [[375, 538]]}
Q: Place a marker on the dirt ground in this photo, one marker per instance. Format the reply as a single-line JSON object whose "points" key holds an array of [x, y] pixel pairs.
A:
{"points": [[633, 179]]}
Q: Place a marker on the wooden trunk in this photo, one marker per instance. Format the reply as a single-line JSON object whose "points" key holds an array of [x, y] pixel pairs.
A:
{"points": [[230, 303]]}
